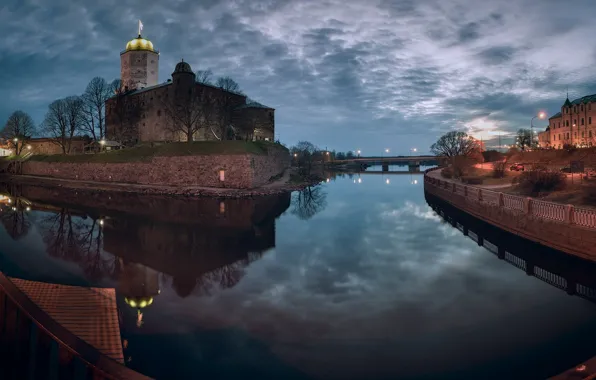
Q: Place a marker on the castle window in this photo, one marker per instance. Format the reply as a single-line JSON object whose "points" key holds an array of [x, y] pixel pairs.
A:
{"points": [[566, 123], [574, 109], [583, 134], [582, 121], [574, 122], [590, 134], [566, 110], [567, 135], [581, 108]]}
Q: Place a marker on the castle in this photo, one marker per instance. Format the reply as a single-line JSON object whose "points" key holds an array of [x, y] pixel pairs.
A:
{"points": [[575, 125], [180, 109]]}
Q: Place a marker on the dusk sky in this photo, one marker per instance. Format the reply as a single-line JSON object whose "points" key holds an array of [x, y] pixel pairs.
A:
{"points": [[343, 74]]}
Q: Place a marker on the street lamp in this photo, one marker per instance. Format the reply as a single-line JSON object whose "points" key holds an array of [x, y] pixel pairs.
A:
{"points": [[413, 150], [541, 115], [358, 151]]}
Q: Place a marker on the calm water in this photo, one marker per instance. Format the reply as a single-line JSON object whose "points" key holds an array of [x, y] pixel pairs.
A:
{"points": [[356, 278]]}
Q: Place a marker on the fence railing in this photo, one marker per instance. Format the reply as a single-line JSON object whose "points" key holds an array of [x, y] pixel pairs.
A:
{"points": [[35, 346], [569, 214]]}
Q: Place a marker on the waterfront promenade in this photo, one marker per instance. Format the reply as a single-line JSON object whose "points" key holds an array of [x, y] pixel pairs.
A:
{"points": [[563, 227]]}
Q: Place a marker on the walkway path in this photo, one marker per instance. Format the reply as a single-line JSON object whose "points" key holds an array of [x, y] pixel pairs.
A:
{"points": [[437, 174]]}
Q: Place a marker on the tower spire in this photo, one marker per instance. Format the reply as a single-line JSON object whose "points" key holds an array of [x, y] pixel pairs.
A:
{"points": [[140, 27]]}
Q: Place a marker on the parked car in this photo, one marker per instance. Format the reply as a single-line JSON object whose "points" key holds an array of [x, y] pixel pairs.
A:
{"points": [[517, 167]]}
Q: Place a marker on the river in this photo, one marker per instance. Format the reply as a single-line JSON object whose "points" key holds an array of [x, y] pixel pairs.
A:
{"points": [[355, 278]]}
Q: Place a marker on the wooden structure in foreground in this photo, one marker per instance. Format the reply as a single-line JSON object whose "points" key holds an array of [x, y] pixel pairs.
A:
{"points": [[50, 331]]}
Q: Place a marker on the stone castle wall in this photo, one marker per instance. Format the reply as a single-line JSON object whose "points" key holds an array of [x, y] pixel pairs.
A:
{"points": [[244, 171]]}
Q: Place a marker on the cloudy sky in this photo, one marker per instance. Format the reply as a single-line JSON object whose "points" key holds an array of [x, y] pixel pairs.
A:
{"points": [[344, 74]]}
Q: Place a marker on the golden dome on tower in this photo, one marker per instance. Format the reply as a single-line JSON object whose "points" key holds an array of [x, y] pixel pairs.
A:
{"points": [[140, 43]]}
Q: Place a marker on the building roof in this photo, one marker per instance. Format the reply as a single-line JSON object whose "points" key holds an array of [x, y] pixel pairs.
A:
{"points": [[183, 67], [584, 99], [558, 114], [254, 105], [169, 82], [141, 44]]}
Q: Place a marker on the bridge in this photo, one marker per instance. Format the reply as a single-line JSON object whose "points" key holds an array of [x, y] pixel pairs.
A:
{"points": [[413, 162]]}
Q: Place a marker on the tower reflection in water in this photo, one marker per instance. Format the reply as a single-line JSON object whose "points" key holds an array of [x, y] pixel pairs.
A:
{"points": [[139, 243]]}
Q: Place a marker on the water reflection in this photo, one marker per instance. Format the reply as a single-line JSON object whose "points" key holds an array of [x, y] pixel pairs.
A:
{"points": [[198, 244], [573, 275], [353, 281]]}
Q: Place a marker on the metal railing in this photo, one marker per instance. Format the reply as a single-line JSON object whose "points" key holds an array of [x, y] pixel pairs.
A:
{"points": [[584, 217], [33, 345]]}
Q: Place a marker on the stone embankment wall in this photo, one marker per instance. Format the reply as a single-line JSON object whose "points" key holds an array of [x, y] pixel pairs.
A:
{"points": [[244, 171], [562, 227]]}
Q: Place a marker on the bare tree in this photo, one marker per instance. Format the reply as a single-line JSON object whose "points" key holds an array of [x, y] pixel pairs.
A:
{"points": [[15, 220], [304, 152], [224, 104], [18, 128], [204, 76], [63, 121], [228, 84], [125, 114], [188, 113], [455, 143], [524, 139], [94, 97], [308, 202]]}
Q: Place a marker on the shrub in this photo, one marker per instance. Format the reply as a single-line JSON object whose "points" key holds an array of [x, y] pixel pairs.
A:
{"points": [[589, 195], [535, 182], [499, 168], [447, 173], [472, 180], [569, 148]]}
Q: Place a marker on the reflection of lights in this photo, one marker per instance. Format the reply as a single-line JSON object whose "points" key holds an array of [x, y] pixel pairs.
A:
{"points": [[387, 181], [14, 209], [222, 207], [327, 179], [414, 182], [359, 180]]}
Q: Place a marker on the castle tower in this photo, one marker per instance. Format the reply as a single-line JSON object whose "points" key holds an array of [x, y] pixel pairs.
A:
{"points": [[139, 63]]}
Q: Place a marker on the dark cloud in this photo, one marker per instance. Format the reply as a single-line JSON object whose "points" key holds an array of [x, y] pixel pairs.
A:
{"points": [[469, 32], [497, 55]]}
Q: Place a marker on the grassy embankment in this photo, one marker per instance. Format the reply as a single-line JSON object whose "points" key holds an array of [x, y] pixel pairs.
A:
{"points": [[146, 153]]}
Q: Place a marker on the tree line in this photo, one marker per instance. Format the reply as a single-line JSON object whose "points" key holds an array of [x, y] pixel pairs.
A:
{"points": [[85, 115]]}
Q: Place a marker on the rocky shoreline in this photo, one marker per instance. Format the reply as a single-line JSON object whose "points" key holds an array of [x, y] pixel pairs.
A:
{"points": [[270, 189]]}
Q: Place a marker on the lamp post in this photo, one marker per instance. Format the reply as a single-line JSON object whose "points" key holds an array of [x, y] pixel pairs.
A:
{"points": [[16, 146], [358, 151], [412, 151], [540, 115]]}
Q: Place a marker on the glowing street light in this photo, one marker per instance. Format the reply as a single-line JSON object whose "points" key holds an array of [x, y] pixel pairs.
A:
{"points": [[413, 150], [358, 151], [359, 180], [541, 115], [387, 181]]}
